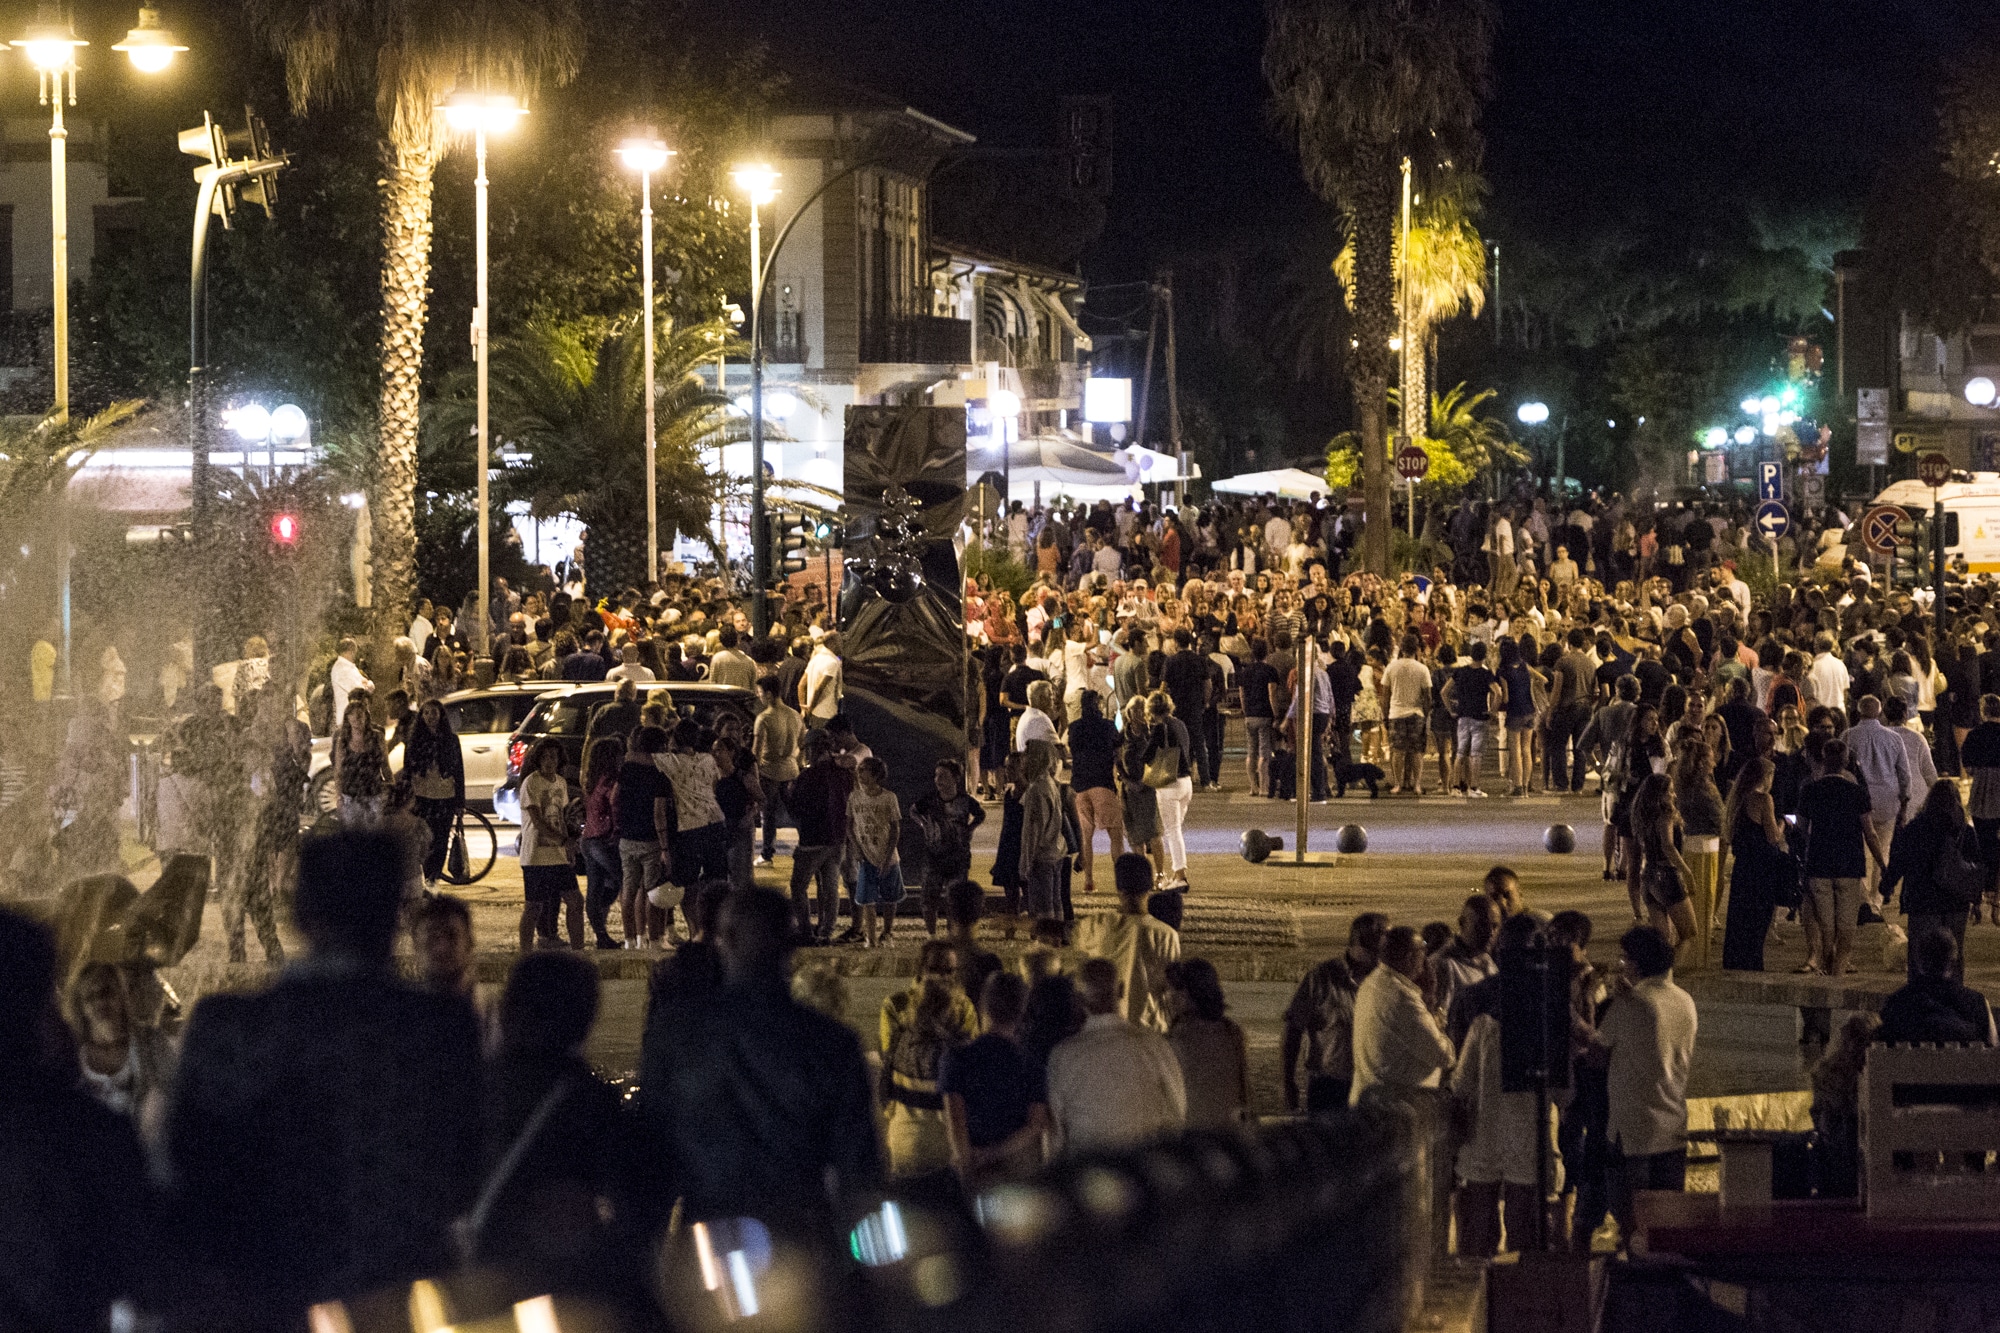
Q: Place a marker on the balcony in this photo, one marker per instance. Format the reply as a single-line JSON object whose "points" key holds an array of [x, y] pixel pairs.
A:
{"points": [[1059, 384], [927, 340]]}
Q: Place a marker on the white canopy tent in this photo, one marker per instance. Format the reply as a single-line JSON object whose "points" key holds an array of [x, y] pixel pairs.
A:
{"points": [[1288, 483]]}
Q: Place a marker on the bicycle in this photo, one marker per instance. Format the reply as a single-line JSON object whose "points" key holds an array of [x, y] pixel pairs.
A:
{"points": [[464, 861]]}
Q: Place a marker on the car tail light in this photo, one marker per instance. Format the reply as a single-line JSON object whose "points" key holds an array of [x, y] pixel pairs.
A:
{"points": [[517, 753]]}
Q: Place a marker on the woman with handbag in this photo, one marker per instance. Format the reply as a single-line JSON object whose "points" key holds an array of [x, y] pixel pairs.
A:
{"points": [[1763, 876], [1936, 860], [1167, 772], [1138, 803]]}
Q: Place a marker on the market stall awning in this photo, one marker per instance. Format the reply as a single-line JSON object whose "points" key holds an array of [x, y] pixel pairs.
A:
{"points": [[1288, 483]]}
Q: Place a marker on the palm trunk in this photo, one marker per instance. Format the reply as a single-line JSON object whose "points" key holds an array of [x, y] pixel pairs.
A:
{"points": [[1373, 204], [406, 271]]}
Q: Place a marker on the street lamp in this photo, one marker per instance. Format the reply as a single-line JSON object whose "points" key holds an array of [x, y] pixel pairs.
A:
{"points": [[150, 47], [1980, 391], [482, 114], [647, 155], [759, 184], [50, 45], [1532, 414]]}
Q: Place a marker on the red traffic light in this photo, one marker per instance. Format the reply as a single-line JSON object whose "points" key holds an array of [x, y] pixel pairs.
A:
{"points": [[285, 528]]}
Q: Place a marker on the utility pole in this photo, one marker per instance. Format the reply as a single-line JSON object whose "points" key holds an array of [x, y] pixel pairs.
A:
{"points": [[1173, 395], [1496, 294], [1146, 378]]}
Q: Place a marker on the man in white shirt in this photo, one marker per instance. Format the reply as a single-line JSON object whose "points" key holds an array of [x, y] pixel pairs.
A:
{"points": [[1114, 1084], [1647, 1036], [1409, 682], [1884, 765], [1035, 723], [822, 682], [1827, 677], [731, 665], [345, 678], [1399, 1045], [1139, 945], [421, 628], [629, 667]]}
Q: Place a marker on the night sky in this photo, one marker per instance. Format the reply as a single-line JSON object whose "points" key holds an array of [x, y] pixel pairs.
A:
{"points": [[1598, 110]]}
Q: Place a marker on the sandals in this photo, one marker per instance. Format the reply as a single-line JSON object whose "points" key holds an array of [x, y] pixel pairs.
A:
{"points": [[1806, 970]]}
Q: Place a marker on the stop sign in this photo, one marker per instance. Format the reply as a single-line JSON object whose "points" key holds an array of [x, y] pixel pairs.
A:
{"points": [[1412, 463], [1934, 470]]}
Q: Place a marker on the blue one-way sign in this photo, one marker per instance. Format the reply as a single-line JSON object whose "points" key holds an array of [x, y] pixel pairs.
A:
{"points": [[1773, 520], [1769, 485]]}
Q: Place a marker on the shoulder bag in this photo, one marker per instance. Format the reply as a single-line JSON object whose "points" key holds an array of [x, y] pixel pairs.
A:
{"points": [[1164, 768], [1963, 878]]}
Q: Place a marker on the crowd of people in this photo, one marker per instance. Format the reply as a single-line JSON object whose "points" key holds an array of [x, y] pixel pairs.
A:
{"points": [[1799, 749], [1754, 752]]}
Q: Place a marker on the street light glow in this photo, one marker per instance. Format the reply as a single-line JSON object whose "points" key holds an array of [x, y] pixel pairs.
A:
{"points": [[1980, 391], [288, 422], [1768, 405], [1715, 437], [644, 153], [1746, 434], [1752, 407], [494, 113], [757, 181], [1532, 414], [250, 422], [149, 46], [50, 43]]}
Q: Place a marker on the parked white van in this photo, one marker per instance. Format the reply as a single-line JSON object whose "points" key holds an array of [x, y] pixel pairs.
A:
{"points": [[1972, 515]]}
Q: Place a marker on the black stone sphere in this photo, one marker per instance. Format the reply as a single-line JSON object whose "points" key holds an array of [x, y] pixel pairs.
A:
{"points": [[1560, 839], [1258, 845], [1351, 838]]}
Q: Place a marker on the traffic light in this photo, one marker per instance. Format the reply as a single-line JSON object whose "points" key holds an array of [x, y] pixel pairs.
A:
{"points": [[829, 533], [242, 158], [789, 535], [285, 529], [1911, 560]]}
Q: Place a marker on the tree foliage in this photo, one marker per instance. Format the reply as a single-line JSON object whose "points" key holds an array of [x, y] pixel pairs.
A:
{"points": [[568, 401]]}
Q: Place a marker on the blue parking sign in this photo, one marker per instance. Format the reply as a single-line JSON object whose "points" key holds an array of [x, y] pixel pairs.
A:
{"points": [[1770, 486]]}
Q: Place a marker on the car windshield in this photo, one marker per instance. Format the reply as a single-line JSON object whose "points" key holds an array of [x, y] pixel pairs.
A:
{"points": [[561, 717]]}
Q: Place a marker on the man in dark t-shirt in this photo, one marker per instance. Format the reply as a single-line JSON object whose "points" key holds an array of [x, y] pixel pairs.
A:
{"points": [[1472, 689], [1184, 676], [1255, 680], [996, 1097], [1839, 840]]}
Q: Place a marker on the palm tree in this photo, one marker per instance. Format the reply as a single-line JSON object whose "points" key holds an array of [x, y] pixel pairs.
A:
{"points": [[1447, 275], [1478, 441], [1361, 84], [410, 54], [569, 400]]}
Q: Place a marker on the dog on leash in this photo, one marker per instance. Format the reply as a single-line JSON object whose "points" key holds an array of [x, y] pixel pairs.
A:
{"points": [[1364, 775]]}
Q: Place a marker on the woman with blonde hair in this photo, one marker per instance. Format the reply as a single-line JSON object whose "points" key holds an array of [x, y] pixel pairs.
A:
{"points": [[1704, 838], [1168, 772]]}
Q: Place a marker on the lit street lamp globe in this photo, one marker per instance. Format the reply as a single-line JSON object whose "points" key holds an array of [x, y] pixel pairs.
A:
{"points": [[1532, 414], [1715, 437], [1746, 434], [288, 422], [1979, 391]]}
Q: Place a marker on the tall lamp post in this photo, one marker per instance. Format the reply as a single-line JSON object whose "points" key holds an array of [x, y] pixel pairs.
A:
{"points": [[482, 114], [646, 155], [50, 45], [760, 184], [1532, 415]]}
